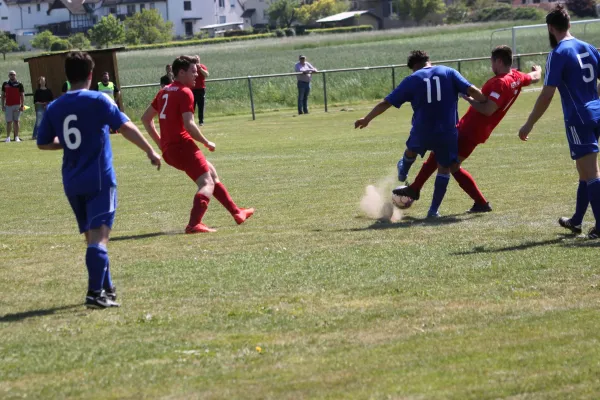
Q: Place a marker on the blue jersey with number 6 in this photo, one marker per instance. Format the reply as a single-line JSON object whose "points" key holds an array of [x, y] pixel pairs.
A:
{"points": [[81, 120], [572, 67], [433, 93]]}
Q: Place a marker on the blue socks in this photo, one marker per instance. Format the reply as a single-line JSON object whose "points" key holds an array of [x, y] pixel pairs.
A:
{"points": [[582, 203], [439, 191], [107, 278], [404, 166], [96, 260], [593, 189]]}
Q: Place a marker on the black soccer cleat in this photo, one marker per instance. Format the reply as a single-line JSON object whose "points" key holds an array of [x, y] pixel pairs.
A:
{"points": [[568, 224], [111, 293], [408, 192], [480, 208], [593, 234], [98, 300]]}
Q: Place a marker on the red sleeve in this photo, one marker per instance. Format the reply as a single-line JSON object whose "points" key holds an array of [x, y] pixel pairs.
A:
{"points": [[525, 79], [186, 101], [498, 93], [154, 103], [204, 67]]}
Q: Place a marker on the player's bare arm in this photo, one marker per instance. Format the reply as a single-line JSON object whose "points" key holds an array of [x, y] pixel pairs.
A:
{"points": [[203, 72], [133, 134], [22, 101], [55, 145], [535, 74], [475, 94], [148, 121], [195, 132], [488, 108], [540, 107], [379, 109]]}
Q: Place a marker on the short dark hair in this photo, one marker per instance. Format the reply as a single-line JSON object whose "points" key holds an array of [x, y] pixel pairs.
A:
{"points": [[559, 18], [78, 66], [417, 57], [183, 63], [503, 53]]}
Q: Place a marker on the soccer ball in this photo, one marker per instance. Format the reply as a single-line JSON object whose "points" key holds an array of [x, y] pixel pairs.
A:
{"points": [[402, 202]]}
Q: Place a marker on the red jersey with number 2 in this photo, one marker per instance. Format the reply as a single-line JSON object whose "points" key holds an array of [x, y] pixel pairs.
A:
{"points": [[502, 90], [171, 103]]}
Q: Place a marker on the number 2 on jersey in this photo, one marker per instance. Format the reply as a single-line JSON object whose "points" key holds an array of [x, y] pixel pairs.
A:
{"points": [[162, 112], [437, 86]]}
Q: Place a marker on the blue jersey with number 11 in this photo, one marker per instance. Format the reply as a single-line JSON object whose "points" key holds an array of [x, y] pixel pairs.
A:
{"points": [[572, 67], [433, 93], [81, 120]]}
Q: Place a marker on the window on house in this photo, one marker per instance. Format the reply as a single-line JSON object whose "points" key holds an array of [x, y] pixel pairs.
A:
{"points": [[222, 19], [187, 6], [189, 29], [29, 10], [142, 6], [39, 7], [232, 3], [112, 10], [130, 9], [221, 3], [4, 18], [152, 6]]}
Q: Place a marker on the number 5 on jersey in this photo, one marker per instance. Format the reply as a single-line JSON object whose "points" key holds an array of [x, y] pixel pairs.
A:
{"points": [[162, 114]]}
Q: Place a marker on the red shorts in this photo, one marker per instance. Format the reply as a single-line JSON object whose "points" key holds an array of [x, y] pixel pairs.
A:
{"points": [[187, 158]]}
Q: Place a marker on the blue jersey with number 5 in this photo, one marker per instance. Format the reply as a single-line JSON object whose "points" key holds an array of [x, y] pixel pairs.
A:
{"points": [[433, 93], [572, 67], [81, 120]]}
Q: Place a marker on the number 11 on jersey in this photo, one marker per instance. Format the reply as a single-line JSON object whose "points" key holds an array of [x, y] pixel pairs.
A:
{"points": [[437, 86]]}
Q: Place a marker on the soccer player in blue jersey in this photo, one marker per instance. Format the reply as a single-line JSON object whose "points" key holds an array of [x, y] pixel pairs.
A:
{"points": [[433, 93], [79, 123], [573, 68]]}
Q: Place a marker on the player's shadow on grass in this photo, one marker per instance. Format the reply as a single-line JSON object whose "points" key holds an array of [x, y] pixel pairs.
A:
{"points": [[409, 221], [523, 246], [34, 313], [142, 236]]}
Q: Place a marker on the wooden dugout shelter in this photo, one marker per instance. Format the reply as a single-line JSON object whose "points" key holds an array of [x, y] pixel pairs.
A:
{"points": [[52, 66]]}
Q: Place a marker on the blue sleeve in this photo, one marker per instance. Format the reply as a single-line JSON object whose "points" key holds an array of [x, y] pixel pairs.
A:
{"points": [[45, 133], [460, 82], [115, 118], [402, 94], [597, 58], [554, 69]]}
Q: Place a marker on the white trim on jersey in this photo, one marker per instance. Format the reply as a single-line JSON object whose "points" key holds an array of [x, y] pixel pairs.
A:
{"points": [[574, 105], [548, 68], [576, 139]]}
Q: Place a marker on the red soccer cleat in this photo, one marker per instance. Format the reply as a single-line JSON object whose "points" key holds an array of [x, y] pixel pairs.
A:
{"points": [[200, 228], [243, 215]]}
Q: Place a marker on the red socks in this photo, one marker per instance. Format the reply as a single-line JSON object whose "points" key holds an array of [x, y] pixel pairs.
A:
{"points": [[427, 169], [222, 195], [467, 183], [199, 209]]}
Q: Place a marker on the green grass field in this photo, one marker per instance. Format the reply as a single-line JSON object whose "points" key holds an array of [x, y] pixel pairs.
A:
{"points": [[325, 52], [502, 305]]}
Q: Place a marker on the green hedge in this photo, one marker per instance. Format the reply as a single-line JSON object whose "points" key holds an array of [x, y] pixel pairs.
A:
{"points": [[200, 42], [506, 13], [345, 29]]}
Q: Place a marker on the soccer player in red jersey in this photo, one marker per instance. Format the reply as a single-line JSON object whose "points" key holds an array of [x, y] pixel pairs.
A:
{"points": [[174, 105], [476, 126]]}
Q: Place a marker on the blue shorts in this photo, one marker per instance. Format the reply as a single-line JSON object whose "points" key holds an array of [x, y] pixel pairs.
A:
{"points": [[444, 146], [583, 139], [93, 211]]}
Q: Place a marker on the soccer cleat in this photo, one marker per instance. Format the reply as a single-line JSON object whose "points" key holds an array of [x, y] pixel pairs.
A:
{"points": [[567, 224], [17, 139], [111, 293], [433, 215], [593, 234], [7, 140], [408, 192], [99, 300], [480, 208], [243, 215], [402, 176], [200, 228]]}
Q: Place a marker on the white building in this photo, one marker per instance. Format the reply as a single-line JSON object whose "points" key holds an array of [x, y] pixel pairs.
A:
{"points": [[64, 17], [255, 12]]}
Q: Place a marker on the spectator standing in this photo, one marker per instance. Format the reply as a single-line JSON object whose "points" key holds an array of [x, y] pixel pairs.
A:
{"points": [[41, 98], [109, 88], [199, 90], [13, 100], [168, 78], [304, 83]]}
